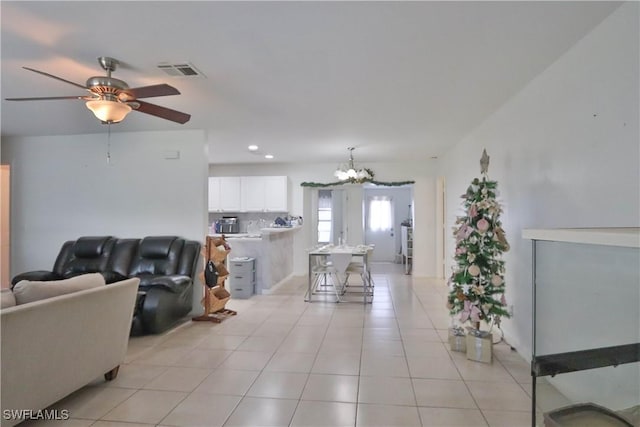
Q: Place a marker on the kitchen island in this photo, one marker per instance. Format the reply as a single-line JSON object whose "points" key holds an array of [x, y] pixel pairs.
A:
{"points": [[273, 251]]}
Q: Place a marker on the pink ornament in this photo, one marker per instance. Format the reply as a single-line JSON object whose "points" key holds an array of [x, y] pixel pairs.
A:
{"points": [[473, 211], [483, 225], [470, 312], [463, 232]]}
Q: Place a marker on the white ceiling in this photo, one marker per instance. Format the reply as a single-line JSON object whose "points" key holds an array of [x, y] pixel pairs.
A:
{"points": [[303, 80]]}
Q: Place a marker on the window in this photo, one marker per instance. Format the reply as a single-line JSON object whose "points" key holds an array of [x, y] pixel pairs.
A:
{"points": [[380, 215], [324, 216]]}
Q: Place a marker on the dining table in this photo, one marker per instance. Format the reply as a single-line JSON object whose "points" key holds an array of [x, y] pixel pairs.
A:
{"points": [[343, 262]]}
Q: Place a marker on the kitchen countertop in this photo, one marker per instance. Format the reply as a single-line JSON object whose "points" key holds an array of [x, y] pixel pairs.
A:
{"points": [[272, 230], [258, 237], [272, 250], [240, 236]]}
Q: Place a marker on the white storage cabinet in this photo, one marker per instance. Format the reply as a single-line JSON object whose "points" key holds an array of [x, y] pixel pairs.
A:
{"points": [[407, 248], [242, 277]]}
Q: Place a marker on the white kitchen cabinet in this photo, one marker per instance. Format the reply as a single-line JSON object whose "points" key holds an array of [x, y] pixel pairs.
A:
{"points": [[224, 194], [264, 193], [276, 194], [252, 193], [248, 194], [214, 194], [230, 193]]}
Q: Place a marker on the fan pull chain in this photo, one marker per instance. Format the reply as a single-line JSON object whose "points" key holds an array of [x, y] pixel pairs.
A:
{"points": [[108, 143]]}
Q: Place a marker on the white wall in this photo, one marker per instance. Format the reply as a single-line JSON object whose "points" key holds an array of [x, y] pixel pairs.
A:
{"points": [[565, 152], [422, 172], [63, 188]]}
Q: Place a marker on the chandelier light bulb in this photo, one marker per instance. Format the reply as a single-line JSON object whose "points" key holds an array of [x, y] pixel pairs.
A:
{"points": [[350, 173]]}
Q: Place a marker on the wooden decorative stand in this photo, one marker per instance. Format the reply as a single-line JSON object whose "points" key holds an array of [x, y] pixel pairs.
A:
{"points": [[217, 296]]}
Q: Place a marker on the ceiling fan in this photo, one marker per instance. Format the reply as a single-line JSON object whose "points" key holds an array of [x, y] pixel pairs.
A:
{"points": [[112, 99]]}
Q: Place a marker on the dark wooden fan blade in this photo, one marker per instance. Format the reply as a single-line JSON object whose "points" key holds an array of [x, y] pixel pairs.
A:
{"points": [[151, 91], [47, 98], [56, 77], [162, 112]]}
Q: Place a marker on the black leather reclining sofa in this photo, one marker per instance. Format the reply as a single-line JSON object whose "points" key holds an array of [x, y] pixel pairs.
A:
{"points": [[165, 265]]}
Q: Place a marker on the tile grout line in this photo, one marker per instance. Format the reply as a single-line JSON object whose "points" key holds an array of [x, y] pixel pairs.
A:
{"points": [[413, 389]]}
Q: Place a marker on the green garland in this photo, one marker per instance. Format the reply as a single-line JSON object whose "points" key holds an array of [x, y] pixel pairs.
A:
{"points": [[332, 184]]}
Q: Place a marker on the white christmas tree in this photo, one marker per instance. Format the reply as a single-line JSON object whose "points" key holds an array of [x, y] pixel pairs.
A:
{"points": [[476, 285]]}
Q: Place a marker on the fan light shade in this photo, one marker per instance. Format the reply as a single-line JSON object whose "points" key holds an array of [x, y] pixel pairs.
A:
{"points": [[109, 111]]}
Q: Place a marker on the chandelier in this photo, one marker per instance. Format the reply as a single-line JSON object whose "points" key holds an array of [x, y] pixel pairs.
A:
{"points": [[350, 173]]}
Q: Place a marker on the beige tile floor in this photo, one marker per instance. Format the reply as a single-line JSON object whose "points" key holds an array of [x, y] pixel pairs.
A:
{"points": [[284, 362]]}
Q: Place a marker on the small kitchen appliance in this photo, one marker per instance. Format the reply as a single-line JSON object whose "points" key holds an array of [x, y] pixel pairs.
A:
{"points": [[228, 225]]}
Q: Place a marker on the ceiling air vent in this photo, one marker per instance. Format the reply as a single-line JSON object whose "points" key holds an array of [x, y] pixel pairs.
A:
{"points": [[183, 69]]}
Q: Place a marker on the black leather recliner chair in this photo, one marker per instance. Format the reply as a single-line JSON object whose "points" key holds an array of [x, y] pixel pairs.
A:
{"points": [[82, 256], [165, 265]]}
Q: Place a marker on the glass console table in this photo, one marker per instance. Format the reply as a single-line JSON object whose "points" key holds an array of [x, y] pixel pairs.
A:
{"points": [[586, 315]]}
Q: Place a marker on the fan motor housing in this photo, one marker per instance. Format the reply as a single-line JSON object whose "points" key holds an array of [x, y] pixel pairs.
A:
{"points": [[105, 84]]}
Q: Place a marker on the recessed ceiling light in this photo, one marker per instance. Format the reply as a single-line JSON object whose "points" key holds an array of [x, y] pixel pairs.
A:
{"points": [[253, 148], [268, 156]]}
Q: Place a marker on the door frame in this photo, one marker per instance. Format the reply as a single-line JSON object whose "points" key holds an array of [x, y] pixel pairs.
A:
{"points": [[441, 215], [400, 211], [5, 225]]}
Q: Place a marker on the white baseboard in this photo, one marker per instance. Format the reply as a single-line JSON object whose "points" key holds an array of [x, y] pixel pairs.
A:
{"points": [[275, 287]]}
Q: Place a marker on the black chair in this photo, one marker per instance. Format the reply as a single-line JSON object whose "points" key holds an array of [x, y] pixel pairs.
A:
{"points": [[82, 256], [165, 265]]}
